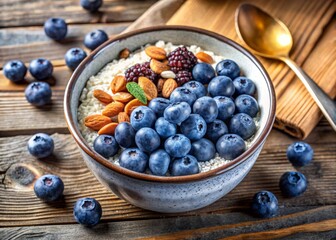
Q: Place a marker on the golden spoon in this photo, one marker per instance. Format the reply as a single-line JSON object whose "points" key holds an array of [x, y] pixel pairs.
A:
{"points": [[269, 37]]}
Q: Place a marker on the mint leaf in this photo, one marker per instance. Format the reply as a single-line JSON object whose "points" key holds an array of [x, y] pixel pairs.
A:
{"points": [[134, 89]]}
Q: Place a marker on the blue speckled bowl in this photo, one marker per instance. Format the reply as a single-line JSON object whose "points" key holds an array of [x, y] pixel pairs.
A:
{"points": [[171, 194]]}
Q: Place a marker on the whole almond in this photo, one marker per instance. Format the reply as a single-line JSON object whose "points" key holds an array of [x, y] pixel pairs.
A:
{"points": [[158, 67], [123, 97], [204, 57], [149, 87], [123, 117], [108, 129], [96, 121], [124, 53], [132, 105], [102, 96], [113, 109], [159, 85], [156, 52], [168, 87], [118, 84]]}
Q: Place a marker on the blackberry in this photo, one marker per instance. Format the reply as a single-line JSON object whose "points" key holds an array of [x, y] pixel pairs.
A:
{"points": [[183, 76], [140, 70], [181, 59]]}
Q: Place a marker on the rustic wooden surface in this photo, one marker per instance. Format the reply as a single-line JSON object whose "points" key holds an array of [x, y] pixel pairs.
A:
{"points": [[23, 216]]}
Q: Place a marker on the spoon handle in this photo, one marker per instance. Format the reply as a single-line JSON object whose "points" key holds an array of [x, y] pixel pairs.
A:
{"points": [[325, 103]]}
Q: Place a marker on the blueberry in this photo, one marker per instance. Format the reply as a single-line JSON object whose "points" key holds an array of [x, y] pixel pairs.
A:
{"points": [[41, 69], [15, 70], [106, 145], [56, 28], [74, 57], [38, 93], [91, 5], [230, 146], [203, 73], [159, 162], [247, 104], [228, 68], [182, 94], [186, 165], [41, 145], [142, 117], [177, 146], [300, 154], [49, 187], [194, 127], [133, 159], [264, 204], [226, 107], [94, 39], [177, 112], [215, 130], [87, 211], [158, 105], [196, 87], [147, 139], [125, 135], [292, 184], [203, 150], [221, 86], [244, 85], [242, 125], [164, 128], [207, 108]]}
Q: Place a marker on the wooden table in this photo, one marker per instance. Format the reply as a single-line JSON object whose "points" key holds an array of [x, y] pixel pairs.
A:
{"points": [[22, 215]]}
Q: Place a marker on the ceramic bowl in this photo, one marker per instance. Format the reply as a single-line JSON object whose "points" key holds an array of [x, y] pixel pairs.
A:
{"points": [[171, 194]]}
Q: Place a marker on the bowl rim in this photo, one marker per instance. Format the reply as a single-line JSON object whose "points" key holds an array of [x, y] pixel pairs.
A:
{"points": [[168, 179]]}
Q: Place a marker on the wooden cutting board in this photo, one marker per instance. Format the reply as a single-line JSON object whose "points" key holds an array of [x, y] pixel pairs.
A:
{"points": [[296, 114]]}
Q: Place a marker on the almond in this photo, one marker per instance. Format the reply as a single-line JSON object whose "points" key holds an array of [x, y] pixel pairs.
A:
{"points": [[123, 97], [102, 96], [158, 67], [96, 121], [168, 87], [108, 129], [149, 87], [118, 84], [123, 117], [159, 85], [156, 52], [132, 105], [113, 109], [124, 53], [204, 57]]}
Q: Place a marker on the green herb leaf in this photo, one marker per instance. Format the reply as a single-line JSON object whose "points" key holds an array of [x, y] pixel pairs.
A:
{"points": [[134, 89]]}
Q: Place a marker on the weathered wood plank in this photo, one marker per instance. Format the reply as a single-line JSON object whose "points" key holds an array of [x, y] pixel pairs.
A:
{"points": [[33, 13]]}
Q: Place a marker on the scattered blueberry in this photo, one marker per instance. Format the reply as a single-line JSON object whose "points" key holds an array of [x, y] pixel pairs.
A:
{"points": [[91, 5], [87, 211], [74, 57], [230, 146], [56, 28], [133, 159], [106, 145], [194, 127], [147, 139], [215, 130], [125, 135], [221, 86], [159, 162], [196, 87], [41, 69], [226, 107], [242, 125], [177, 146], [207, 108], [15, 70], [182, 94], [38, 93], [247, 104], [186, 165], [292, 184], [158, 105], [203, 73], [244, 85], [203, 150], [164, 128], [142, 117], [300, 154], [177, 112], [264, 204], [228, 68], [41, 145], [49, 187], [94, 39]]}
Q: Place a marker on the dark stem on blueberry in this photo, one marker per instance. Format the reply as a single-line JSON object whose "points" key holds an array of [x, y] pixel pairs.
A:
{"points": [[75, 51], [40, 61], [138, 115], [47, 181], [246, 102], [242, 81], [186, 160], [36, 86], [14, 64], [88, 204], [264, 198], [200, 127], [107, 140], [294, 178], [227, 64], [176, 137], [299, 147], [132, 153]]}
